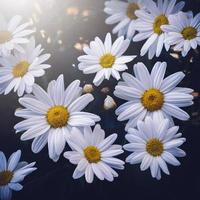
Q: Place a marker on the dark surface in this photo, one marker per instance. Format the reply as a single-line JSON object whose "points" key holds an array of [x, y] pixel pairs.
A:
{"points": [[53, 181]]}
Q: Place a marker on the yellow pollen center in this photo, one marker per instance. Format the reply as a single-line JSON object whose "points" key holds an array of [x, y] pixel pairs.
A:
{"points": [[107, 60], [20, 69], [92, 154], [158, 22], [5, 36], [130, 12], [154, 147], [189, 33], [5, 177], [152, 99], [57, 116]]}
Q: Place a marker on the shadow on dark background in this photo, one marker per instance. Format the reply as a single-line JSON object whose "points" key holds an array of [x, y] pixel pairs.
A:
{"points": [[62, 28]]}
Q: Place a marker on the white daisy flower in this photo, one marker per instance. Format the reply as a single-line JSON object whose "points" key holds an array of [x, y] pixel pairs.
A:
{"points": [[150, 23], [123, 13], [151, 94], [12, 172], [183, 32], [94, 154], [154, 143], [18, 71], [105, 59], [49, 116], [13, 35]]}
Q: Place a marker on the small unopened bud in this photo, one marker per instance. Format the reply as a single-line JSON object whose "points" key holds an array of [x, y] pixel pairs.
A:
{"points": [[109, 103], [88, 88]]}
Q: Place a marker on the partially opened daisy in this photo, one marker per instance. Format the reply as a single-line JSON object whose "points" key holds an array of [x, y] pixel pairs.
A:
{"points": [[50, 116], [105, 59], [12, 172], [152, 94], [94, 154], [13, 35], [149, 27], [122, 13], [154, 143], [183, 32], [18, 71]]}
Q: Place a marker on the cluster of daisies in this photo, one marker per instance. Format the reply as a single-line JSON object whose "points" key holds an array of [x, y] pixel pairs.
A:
{"points": [[162, 24], [55, 117], [20, 59]]}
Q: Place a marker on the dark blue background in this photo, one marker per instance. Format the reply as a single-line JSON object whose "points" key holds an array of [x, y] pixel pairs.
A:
{"points": [[54, 180]]}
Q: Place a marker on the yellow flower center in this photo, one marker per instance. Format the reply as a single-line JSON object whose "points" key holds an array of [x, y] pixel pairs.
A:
{"points": [[5, 36], [189, 33], [92, 154], [57, 116], [130, 12], [158, 22], [5, 177], [107, 60], [20, 69], [154, 147], [152, 99]]}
